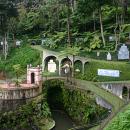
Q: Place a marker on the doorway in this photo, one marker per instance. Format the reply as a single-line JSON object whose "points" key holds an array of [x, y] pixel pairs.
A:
{"points": [[32, 78]]}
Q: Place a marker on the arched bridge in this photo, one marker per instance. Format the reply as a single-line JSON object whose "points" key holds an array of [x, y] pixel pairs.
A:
{"points": [[94, 87]]}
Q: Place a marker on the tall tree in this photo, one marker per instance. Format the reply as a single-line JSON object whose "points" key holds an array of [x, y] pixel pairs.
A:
{"points": [[87, 7], [7, 10]]}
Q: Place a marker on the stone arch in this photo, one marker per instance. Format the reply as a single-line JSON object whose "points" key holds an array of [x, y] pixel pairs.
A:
{"points": [[124, 92], [78, 64], [47, 59], [85, 64], [64, 61]]}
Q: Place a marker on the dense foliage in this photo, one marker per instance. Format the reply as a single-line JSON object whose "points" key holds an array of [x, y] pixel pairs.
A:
{"points": [[86, 23], [26, 116]]}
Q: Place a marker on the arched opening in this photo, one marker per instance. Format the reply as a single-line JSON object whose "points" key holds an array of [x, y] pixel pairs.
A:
{"points": [[125, 92], [78, 68], [51, 64], [63, 63], [78, 65], [87, 67], [54, 97], [32, 78]]}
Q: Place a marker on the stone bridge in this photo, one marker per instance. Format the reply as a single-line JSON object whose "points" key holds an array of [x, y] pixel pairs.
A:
{"points": [[47, 54], [120, 89], [103, 96]]}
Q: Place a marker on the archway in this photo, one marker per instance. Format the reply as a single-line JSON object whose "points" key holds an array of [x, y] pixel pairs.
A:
{"points": [[78, 68], [64, 62], [54, 97], [54, 61], [87, 67], [32, 78], [78, 65], [125, 92]]}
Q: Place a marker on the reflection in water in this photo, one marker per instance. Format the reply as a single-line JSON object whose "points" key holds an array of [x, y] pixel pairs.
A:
{"points": [[63, 122]]}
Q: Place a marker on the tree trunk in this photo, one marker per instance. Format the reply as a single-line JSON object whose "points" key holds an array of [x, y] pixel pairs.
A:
{"points": [[5, 47], [116, 38], [73, 72], [14, 40], [101, 27], [68, 23], [58, 19], [94, 24]]}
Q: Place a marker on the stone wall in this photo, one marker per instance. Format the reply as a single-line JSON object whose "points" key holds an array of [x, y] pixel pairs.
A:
{"points": [[103, 103], [18, 93], [11, 99], [114, 88]]}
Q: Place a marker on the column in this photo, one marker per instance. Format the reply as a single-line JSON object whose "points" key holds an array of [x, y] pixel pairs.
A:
{"points": [[83, 64], [128, 94], [59, 67], [43, 63]]}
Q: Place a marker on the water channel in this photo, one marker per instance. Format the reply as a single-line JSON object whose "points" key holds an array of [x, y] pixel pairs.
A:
{"points": [[63, 121]]}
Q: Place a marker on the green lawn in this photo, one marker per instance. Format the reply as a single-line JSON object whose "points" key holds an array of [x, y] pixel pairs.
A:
{"points": [[121, 121], [23, 56], [92, 67]]}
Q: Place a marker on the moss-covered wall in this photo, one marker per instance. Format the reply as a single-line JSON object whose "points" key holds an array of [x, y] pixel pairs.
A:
{"points": [[80, 105]]}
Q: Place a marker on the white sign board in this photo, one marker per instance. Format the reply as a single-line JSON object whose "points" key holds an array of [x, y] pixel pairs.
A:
{"points": [[110, 73], [51, 66]]}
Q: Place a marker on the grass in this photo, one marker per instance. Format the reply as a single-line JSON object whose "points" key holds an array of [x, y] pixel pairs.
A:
{"points": [[121, 121], [92, 67], [23, 56]]}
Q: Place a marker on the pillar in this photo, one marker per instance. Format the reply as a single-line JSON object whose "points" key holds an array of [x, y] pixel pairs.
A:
{"points": [[43, 63], [83, 64], [59, 67], [128, 94]]}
